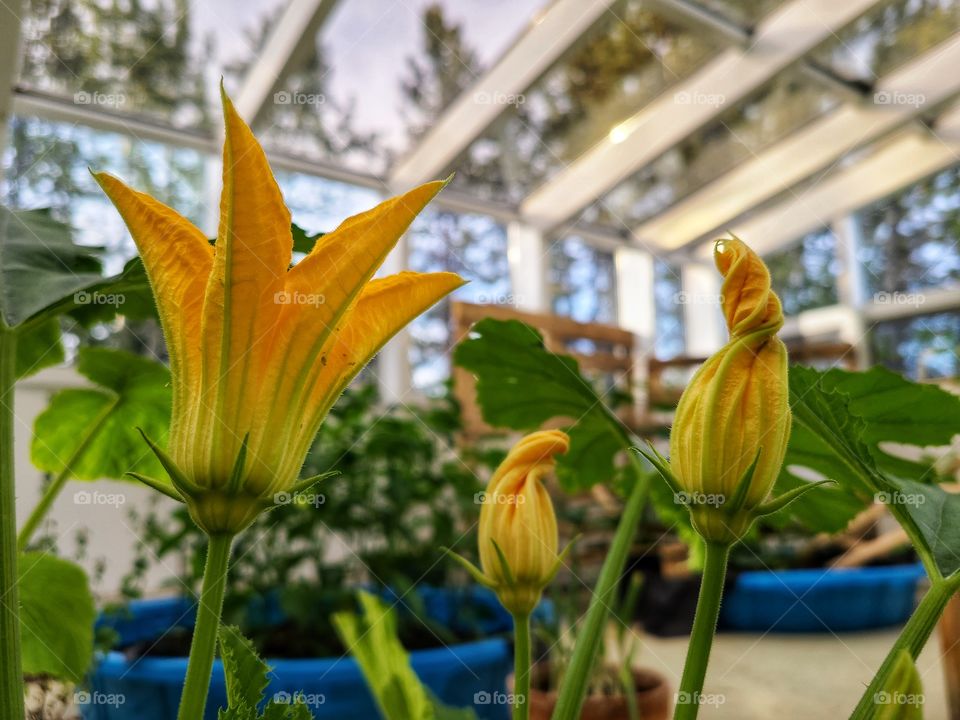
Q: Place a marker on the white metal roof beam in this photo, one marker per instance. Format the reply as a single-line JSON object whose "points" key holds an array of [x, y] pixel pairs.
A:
{"points": [[899, 97], [10, 14], [290, 43], [479, 105], [905, 158], [782, 38]]}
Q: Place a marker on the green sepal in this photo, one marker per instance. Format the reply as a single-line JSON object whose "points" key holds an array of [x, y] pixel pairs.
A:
{"points": [[158, 485], [504, 565], [743, 487], [475, 572], [778, 503], [661, 465], [236, 475], [560, 559], [307, 483], [180, 481]]}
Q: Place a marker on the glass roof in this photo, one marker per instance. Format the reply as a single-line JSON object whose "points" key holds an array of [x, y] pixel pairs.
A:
{"points": [[161, 58], [747, 13], [382, 72], [787, 103], [367, 86], [888, 36], [628, 58]]}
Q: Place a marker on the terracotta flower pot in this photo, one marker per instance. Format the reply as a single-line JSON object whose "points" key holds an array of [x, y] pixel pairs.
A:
{"points": [[653, 699]]}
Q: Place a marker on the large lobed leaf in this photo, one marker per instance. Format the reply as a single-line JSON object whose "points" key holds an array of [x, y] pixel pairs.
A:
{"points": [[841, 419], [56, 616], [870, 409], [39, 264], [95, 429], [521, 385]]}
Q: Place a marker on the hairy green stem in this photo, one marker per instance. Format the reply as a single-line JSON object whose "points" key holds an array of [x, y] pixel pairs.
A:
{"points": [[574, 689], [704, 628], [204, 645], [912, 638], [11, 673], [56, 486], [522, 666]]}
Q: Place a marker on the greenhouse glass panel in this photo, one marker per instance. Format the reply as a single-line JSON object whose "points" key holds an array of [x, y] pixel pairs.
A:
{"points": [[909, 240], [805, 274], [669, 340], [475, 247], [160, 59], [747, 13], [46, 165], [887, 37], [782, 106], [583, 281], [926, 346], [627, 59], [382, 72]]}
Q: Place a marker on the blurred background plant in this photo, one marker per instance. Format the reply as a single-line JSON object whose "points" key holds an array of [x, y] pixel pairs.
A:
{"points": [[403, 491]]}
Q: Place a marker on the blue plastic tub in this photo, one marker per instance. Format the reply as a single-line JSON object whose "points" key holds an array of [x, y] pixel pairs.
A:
{"points": [[821, 600], [334, 687]]}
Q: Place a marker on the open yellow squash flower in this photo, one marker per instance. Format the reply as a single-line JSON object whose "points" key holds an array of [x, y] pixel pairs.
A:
{"points": [[259, 350], [730, 432], [517, 534]]}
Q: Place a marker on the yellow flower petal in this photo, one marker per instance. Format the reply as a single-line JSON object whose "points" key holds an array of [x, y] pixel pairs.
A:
{"points": [[322, 288], [253, 252], [178, 259], [385, 307]]}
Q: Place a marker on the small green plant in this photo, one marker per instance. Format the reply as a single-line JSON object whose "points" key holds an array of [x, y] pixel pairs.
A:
{"points": [[372, 638], [247, 677]]}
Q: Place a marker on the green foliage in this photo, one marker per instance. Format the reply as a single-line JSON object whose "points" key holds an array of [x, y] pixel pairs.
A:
{"points": [[56, 614], [94, 430], [44, 274], [372, 639], [902, 695], [873, 408], [521, 385], [39, 346], [402, 493], [39, 265], [303, 241], [843, 417], [247, 677]]}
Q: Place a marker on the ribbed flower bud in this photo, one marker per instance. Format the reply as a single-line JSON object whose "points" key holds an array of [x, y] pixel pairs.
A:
{"points": [[518, 527], [732, 424]]}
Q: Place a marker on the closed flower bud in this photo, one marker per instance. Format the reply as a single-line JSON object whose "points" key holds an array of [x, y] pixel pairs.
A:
{"points": [[733, 421], [518, 527]]}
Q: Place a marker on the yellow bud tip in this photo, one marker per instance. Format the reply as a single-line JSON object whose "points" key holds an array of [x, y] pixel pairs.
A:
{"points": [[749, 303]]}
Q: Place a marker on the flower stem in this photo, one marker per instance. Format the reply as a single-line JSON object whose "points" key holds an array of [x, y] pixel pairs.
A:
{"points": [[704, 628], [11, 673], [574, 689], [912, 638], [204, 645], [57, 484], [522, 660]]}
